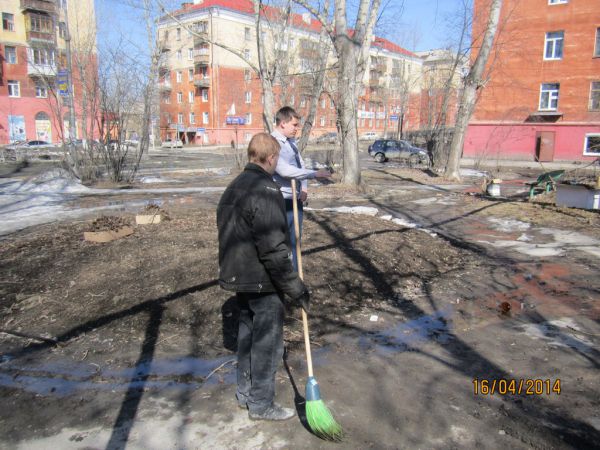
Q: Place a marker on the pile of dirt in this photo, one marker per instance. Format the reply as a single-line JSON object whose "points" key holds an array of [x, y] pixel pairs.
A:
{"points": [[108, 223]]}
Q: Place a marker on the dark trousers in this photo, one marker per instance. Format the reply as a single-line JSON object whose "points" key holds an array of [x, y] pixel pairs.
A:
{"points": [[289, 209], [260, 348]]}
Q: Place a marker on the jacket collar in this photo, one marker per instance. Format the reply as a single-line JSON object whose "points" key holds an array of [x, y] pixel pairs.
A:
{"points": [[256, 168]]}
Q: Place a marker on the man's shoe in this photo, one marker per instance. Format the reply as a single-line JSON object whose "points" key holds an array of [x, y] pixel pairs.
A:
{"points": [[274, 412]]}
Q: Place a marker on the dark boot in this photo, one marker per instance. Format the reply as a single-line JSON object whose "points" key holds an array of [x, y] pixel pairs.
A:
{"points": [[274, 412]]}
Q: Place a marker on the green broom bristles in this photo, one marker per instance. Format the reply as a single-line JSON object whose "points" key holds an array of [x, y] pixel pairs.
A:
{"points": [[319, 419]]}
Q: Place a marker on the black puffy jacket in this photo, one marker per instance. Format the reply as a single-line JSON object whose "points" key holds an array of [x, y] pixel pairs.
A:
{"points": [[254, 246]]}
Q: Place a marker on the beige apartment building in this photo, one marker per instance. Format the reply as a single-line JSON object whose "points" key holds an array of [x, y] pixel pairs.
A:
{"points": [[210, 93]]}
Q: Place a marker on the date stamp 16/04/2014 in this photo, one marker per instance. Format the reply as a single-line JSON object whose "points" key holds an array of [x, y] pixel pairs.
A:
{"points": [[522, 386]]}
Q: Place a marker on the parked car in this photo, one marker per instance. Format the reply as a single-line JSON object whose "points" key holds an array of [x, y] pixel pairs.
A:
{"points": [[169, 143], [30, 144], [368, 136], [327, 138], [383, 149]]}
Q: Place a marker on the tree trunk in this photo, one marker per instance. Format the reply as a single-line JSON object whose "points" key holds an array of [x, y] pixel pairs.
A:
{"points": [[473, 83]]}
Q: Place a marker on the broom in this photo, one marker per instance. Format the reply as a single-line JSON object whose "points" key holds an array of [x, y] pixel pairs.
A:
{"points": [[318, 416]]}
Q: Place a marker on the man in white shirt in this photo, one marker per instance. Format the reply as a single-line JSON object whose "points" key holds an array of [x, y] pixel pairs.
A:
{"points": [[290, 168]]}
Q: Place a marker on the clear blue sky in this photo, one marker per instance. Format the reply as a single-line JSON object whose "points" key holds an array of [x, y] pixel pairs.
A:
{"points": [[413, 24]]}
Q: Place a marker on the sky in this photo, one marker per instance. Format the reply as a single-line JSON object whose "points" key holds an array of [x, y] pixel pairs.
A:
{"points": [[413, 24]]}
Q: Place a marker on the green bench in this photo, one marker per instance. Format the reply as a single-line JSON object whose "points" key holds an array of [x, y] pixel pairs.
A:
{"points": [[546, 182]]}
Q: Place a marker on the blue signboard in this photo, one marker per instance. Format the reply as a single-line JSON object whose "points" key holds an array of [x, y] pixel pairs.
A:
{"points": [[393, 117], [62, 83], [232, 120], [200, 130]]}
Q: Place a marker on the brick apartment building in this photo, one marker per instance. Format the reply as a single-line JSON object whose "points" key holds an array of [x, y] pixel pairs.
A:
{"points": [[209, 95], [33, 66], [542, 101]]}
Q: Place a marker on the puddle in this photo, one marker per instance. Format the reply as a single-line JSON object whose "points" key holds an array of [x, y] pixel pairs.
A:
{"points": [[65, 378], [407, 335], [563, 332]]}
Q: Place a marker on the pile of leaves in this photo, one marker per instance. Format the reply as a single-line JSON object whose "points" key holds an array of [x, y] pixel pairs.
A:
{"points": [[152, 209], [108, 223]]}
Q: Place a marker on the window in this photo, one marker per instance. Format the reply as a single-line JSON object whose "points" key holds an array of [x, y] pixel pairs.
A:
{"points": [[62, 29], [190, 74], [205, 118], [292, 100], [180, 118], [302, 102], [322, 121], [178, 34], [248, 96], [248, 118], [179, 76], [8, 22], [549, 96], [190, 54], [14, 89], [592, 144], [331, 104], [167, 99], [204, 95], [557, 2], [40, 90], [554, 45], [247, 33], [247, 75], [180, 97], [597, 49], [595, 96], [179, 55], [192, 117], [10, 53], [42, 56], [323, 103], [42, 24], [247, 54], [191, 96]]}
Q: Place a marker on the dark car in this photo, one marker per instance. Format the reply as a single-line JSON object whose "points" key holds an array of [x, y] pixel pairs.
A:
{"points": [[383, 149], [327, 138]]}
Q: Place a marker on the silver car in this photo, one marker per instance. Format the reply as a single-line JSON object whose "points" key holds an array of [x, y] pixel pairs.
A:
{"points": [[384, 149]]}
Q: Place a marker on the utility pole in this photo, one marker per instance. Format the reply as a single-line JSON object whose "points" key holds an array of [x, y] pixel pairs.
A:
{"points": [[72, 124]]}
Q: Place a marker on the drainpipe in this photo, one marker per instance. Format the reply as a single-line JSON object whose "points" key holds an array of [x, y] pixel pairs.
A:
{"points": [[72, 125]]}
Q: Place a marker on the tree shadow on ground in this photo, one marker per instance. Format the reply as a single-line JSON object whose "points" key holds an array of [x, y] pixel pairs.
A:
{"points": [[533, 411]]}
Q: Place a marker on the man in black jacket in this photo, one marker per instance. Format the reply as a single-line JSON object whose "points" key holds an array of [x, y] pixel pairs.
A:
{"points": [[255, 262]]}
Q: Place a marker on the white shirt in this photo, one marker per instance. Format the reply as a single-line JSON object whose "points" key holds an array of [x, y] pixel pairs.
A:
{"points": [[287, 167]]}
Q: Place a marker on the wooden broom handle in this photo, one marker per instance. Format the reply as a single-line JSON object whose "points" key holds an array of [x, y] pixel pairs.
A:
{"points": [[301, 273]]}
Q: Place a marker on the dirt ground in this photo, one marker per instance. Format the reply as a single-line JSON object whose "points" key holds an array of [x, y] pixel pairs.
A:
{"points": [[131, 343]]}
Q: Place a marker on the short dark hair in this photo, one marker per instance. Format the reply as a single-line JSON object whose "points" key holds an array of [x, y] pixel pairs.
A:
{"points": [[285, 114], [261, 146]]}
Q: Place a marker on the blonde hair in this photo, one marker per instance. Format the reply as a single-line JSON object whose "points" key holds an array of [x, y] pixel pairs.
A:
{"points": [[261, 146]]}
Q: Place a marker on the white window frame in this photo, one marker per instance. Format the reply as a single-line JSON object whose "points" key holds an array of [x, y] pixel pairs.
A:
{"points": [[557, 2], [204, 95], [302, 102], [205, 118], [247, 75], [191, 96], [167, 99], [552, 44], [248, 118], [180, 97], [191, 74], [179, 55], [180, 118], [190, 54], [41, 90], [322, 121], [323, 102], [10, 24], [292, 100], [192, 118], [592, 90], [179, 76], [586, 143], [248, 96], [14, 88], [247, 34], [13, 53], [247, 54], [178, 34], [553, 95], [597, 46]]}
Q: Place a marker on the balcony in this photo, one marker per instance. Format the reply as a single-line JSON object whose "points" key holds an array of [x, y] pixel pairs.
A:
{"points": [[164, 86], [163, 45], [374, 82], [41, 70], [200, 37], [40, 36], [378, 67], [202, 57], [45, 6], [201, 82]]}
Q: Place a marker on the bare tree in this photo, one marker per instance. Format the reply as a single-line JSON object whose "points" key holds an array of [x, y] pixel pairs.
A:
{"points": [[474, 81], [352, 51]]}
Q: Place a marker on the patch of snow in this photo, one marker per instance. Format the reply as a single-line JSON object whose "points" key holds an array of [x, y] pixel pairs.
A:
{"points": [[509, 225], [558, 333], [552, 249], [431, 200], [524, 237], [157, 180], [473, 173], [363, 210]]}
